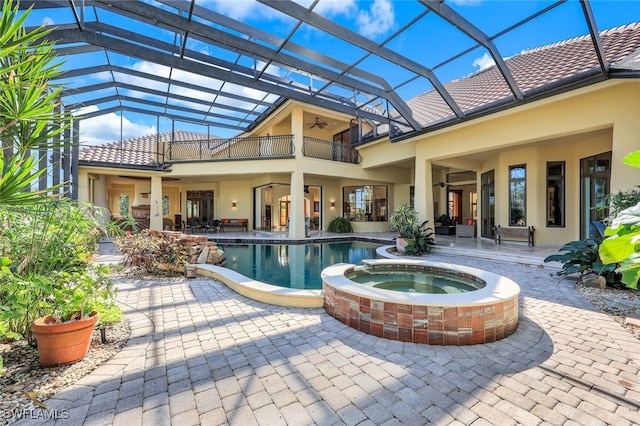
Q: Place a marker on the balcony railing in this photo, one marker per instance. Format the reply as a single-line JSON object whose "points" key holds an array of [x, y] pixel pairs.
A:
{"points": [[255, 147], [327, 150], [160, 155]]}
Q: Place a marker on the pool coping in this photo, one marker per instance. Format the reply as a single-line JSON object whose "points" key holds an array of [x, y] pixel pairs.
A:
{"points": [[497, 287], [299, 241], [260, 291], [269, 293]]}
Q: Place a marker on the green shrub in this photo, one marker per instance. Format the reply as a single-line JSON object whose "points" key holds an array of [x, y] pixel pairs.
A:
{"points": [[620, 201], [340, 225], [46, 250], [622, 245], [445, 220], [57, 235], [421, 241], [109, 313], [582, 256]]}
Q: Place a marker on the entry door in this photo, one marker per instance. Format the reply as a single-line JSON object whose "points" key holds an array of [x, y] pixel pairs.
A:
{"points": [[595, 176], [455, 205], [488, 209]]}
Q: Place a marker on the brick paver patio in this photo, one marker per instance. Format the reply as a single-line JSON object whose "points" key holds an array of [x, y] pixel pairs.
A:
{"points": [[202, 354]]}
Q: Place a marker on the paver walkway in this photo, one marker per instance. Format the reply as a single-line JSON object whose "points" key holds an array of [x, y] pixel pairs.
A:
{"points": [[202, 354]]}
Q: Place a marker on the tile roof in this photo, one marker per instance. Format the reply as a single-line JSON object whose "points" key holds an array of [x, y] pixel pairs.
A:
{"points": [[140, 151], [532, 70]]}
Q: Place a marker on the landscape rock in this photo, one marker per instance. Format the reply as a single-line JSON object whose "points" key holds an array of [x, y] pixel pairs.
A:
{"points": [[594, 280]]}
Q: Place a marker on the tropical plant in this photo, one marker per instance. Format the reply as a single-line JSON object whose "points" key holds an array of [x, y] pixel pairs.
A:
{"points": [[51, 245], [45, 242], [445, 220], [422, 240], [29, 105], [404, 220], [582, 256], [27, 108], [622, 245], [340, 225]]}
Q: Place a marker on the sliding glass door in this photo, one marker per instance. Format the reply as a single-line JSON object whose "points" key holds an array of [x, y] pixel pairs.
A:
{"points": [[595, 176]]}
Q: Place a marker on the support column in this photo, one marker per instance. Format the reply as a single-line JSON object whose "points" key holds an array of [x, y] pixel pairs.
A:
{"points": [[423, 191], [155, 222], [81, 187], [75, 158], [296, 208], [296, 211]]}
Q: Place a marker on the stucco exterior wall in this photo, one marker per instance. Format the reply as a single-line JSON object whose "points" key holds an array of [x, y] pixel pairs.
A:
{"points": [[566, 128]]}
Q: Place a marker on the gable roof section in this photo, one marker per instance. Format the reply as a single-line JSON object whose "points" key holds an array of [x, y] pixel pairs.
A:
{"points": [[541, 68], [143, 151]]}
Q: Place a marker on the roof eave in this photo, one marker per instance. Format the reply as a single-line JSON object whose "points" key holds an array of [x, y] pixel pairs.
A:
{"points": [[154, 167], [562, 86]]}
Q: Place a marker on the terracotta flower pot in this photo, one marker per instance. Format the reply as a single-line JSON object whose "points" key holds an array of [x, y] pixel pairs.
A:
{"points": [[401, 244], [63, 343]]}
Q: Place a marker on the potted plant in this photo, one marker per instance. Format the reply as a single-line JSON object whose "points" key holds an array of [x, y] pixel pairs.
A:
{"points": [[52, 281], [64, 336], [54, 286], [404, 220]]}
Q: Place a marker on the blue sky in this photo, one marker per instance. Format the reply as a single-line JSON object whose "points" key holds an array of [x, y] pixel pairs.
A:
{"points": [[429, 42]]}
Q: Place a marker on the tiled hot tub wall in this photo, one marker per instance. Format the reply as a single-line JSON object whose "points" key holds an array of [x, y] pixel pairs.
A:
{"points": [[435, 325]]}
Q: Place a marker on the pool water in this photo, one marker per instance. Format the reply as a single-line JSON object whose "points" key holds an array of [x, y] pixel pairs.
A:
{"points": [[414, 282], [294, 265]]}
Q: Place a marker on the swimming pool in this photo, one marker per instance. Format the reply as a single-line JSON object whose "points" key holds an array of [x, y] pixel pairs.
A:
{"points": [[294, 265]]}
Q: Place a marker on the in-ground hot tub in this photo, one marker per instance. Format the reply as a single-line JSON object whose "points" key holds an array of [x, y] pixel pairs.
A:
{"points": [[482, 315]]}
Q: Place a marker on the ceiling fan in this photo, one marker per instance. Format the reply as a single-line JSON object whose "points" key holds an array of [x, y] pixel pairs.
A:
{"points": [[442, 183], [317, 123]]}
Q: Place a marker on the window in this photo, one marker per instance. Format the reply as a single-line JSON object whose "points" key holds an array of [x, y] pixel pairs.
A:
{"points": [[595, 184], [366, 203], [200, 205], [412, 197], [165, 205], [555, 193], [124, 204], [517, 195]]}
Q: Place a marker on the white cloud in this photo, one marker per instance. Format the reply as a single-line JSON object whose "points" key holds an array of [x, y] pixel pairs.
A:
{"points": [[335, 7], [483, 62], [378, 20], [244, 9], [236, 9], [250, 9], [330, 7], [47, 20], [106, 128], [199, 80]]}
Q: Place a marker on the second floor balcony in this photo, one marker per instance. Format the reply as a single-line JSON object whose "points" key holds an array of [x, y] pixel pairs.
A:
{"points": [[154, 154]]}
